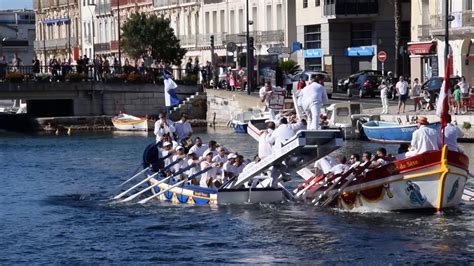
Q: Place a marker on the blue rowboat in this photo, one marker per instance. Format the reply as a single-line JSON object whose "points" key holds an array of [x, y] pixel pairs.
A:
{"points": [[389, 132], [238, 126]]}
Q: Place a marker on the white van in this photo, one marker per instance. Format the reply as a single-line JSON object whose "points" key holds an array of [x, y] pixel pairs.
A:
{"points": [[307, 74]]}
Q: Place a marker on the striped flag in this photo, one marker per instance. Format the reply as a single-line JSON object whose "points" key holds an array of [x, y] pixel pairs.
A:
{"points": [[171, 99], [442, 106]]}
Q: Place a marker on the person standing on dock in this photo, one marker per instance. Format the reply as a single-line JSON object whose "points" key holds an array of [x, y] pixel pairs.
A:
{"points": [[265, 94], [384, 97], [402, 90], [313, 97]]}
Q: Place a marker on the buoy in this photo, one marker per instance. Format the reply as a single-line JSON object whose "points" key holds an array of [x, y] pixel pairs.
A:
{"points": [[69, 131], [57, 132]]}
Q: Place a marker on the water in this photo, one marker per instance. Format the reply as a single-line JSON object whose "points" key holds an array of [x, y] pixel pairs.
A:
{"points": [[55, 208]]}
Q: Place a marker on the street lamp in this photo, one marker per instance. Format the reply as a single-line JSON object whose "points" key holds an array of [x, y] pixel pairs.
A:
{"points": [[93, 30], [249, 53], [1, 45]]}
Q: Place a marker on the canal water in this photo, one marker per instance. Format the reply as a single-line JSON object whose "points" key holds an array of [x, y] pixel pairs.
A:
{"points": [[55, 208]]}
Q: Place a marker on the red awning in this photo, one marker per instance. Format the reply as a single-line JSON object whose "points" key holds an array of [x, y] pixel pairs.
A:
{"points": [[422, 48]]}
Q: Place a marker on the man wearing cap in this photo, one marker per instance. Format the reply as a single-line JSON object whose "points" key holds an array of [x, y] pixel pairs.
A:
{"points": [[199, 148], [424, 138], [166, 149], [313, 97], [207, 178], [229, 169], [220, 158], [180, 155], [163, 126], [183, 128], [194, 159]]}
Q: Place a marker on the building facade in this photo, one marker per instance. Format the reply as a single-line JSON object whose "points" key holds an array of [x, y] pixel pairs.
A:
{"points": [[427, 44], [58, 29], [343, 36], [17, 34]]}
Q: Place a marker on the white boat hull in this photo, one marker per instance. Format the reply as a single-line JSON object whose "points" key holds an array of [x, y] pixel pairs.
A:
{"points": [[130, 123]]}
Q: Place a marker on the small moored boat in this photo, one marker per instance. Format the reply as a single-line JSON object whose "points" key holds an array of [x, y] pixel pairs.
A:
{"points": [[130, 123], [390, 132]]}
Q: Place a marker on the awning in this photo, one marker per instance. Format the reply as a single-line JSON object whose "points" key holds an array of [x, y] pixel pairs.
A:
{"points": [[55, 20], [422, 48], [360, 51], [313, 53]]}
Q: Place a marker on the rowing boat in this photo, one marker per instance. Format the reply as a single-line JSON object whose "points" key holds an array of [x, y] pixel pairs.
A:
{"points": [[130, 123]]}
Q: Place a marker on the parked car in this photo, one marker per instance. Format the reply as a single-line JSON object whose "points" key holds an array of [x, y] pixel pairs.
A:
{"points": [[433, 86], [307, 74], [364, 85], [344, 82]]}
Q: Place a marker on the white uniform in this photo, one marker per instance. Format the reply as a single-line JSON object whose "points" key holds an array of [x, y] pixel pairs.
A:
{"points": [[198, 150], [182, 164], [280, 135], [324, 164], [451, 135], [160, 131], [264, 146], [230, 168], [182, 130], [312, 97], [219, 159], [425, 139], [209, 175], [339, 168]]}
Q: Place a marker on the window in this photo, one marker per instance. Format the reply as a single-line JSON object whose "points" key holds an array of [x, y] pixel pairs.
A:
{"points": [[312, 37], [305, 3], [312, 64], [317, 2], [269, 18], [207, 22], [361, 34], [279, 15]]}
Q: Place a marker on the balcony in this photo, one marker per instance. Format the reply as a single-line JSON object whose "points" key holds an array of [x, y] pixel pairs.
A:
{"points": [[52, 3], [103, 9], [424, 32], [208, 2], [125, 3], [102, 47], [173, 3], [55, 44], [462, 24], [350, 8], [260, 37]]}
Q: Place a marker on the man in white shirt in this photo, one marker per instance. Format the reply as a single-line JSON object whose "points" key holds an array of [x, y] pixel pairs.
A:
{"points": [[340, 167], [183, 128], [451, 135], [323, 165], [264, 146], [199, 148], [163, 126], [402, 89], [424, 138], [281, 134], [229, 169], [313, 97], [180, 155], [265, 94]]}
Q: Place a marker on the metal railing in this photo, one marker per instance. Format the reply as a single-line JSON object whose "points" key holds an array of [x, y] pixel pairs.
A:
{"points": [[259, 37], [461, 20], [54, 44], [167, 3]]}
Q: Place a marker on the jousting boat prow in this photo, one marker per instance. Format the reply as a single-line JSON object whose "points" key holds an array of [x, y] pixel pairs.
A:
{"points": [[431, 180]]}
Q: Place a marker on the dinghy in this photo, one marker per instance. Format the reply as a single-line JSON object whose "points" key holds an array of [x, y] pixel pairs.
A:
{"points": [[389, 132], [130, 123]]}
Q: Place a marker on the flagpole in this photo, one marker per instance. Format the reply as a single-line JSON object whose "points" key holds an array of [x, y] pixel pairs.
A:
{"points": [[446, 30]]}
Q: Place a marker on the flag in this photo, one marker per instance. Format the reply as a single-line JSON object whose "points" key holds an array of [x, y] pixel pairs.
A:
{"points": [[170, 91], [442, 106]]}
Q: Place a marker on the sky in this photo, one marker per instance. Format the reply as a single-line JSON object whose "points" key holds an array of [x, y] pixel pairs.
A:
{"points": [[16, 4]]}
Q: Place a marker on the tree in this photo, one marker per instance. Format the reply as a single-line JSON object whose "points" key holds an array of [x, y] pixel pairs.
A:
{"points": [[290, 66], [151, 36]]}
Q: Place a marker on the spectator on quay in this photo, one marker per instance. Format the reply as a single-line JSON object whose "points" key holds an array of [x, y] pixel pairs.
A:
{"points": [[3, 67], [80, 65], [116, 65], [196, 66], [36, 65], [105, 69], [16, 62], [231, 81], [54, 67], [384, 97], [457, 100], [464, 88], [415, 94], [98, 68], [288, 83], [189, 67], [402, 90]]}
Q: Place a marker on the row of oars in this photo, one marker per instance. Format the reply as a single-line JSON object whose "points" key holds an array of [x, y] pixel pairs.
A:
{"points": [[148, 178]]}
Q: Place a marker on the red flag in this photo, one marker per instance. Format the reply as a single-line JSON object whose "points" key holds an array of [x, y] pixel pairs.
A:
{"points": [[442, 107]]}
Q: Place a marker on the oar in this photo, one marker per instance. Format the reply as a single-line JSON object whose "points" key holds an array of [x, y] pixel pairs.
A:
{"points": [[313, 181], [143, 181], [133, 177], [141, 172], [338, 192], [159, 182], [143, 201]]}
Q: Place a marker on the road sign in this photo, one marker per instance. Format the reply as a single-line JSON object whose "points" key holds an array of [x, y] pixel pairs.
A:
{"points": [[382, 56], [279, 50]]}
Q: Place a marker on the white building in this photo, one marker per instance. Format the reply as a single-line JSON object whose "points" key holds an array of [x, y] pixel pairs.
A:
{"points": [[88, 32], [17, 34]]}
